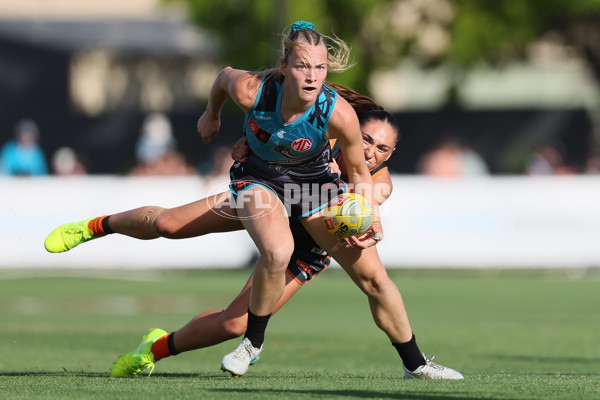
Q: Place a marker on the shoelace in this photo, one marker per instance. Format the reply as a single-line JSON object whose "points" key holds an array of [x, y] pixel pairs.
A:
{"points": [[142, 365], [429, 361], [243, 354]]}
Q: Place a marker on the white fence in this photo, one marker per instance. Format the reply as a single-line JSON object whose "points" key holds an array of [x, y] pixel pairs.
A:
{"points": [[469, 223]]}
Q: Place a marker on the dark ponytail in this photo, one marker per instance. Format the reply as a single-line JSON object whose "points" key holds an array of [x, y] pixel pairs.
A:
{"points": [[359, 102]]}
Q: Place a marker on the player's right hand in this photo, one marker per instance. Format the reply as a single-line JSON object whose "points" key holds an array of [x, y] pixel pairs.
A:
{"points": [[368, 239]]}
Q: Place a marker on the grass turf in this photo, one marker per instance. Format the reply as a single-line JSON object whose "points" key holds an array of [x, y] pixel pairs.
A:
{"points": [[513, 334]]}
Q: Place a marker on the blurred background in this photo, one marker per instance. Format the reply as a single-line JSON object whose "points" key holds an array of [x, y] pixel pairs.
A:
{"points": [[498, 104]]}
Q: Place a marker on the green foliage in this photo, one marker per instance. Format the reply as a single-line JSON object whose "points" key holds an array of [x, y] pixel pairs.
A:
{"points": [[382, 32], [498, 31], [250, 31]]}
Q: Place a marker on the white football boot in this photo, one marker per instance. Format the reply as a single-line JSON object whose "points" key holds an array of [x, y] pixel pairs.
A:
{"points": [[238, 361], [432, 370]]}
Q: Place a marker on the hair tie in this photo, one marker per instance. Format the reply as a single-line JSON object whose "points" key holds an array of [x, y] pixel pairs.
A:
{"points": [[302, 25]]}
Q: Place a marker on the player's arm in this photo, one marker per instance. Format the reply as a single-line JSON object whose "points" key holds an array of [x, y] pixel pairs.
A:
{"points": [[382, 181], [344, 126], [241, 86], [382, 186]]}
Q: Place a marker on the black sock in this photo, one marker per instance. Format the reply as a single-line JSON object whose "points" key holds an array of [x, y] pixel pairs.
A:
{"points": [[105, 226], [410, 354], [256, 329], [171, 344]]}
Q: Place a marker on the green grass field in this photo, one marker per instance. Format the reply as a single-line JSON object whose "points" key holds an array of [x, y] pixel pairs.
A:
{"points": [[514, 335]]}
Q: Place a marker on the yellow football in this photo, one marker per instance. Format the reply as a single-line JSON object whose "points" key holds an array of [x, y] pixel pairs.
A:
{"points": [[348, 214]]}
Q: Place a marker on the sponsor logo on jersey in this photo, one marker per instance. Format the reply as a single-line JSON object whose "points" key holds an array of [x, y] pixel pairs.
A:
{"points": [[301, 145], [260, 133]]}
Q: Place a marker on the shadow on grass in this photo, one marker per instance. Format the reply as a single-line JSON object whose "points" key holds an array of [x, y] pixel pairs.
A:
{"points": [[87, 374], [364, 394], [56, 373], [276, 393], [544, 359]]}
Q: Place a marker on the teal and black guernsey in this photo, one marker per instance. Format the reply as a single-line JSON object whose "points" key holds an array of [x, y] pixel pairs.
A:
{"points": [[296, 143], [291, 159]]}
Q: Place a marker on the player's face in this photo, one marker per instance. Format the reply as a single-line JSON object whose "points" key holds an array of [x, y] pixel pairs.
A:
{"points": [[305, 71], [379, 140]]}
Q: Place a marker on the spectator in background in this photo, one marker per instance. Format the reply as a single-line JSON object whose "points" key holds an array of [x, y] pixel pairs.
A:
{"points": [[221, 162], [156, 149], [592, 164], [451, 158], [217, 171], [548, 159], [66, 162], [23, 156]]}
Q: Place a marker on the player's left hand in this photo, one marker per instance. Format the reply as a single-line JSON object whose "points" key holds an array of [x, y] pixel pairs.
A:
{"points": [[334, 167], [240, 150]]}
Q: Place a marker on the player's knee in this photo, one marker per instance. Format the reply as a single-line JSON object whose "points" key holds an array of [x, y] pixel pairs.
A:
{"points": [[375, 285], [164, 225], [277, 258], [234, 328], [147, 220]]}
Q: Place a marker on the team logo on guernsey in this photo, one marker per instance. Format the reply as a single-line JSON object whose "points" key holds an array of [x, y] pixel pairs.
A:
{"points": [[260, 133], [301, 145]]}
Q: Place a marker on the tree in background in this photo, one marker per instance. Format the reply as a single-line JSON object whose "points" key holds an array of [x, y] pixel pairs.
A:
{"points": [[249, 30], [464, 33]]}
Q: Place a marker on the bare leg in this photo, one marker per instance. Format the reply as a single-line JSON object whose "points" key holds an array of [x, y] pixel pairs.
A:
{"points": [[367, 271], [212, 214], [216, 326], [265, 219]]}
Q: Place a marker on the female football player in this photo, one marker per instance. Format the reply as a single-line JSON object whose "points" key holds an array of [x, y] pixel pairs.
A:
{"points": [[290, 100]]}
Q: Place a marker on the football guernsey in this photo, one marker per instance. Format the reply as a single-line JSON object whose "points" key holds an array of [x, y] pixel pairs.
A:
{"points": [[295, 143]]}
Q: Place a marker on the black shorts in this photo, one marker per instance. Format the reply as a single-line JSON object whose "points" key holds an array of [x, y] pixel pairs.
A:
{"points": [[308, 259], [303, 190]]}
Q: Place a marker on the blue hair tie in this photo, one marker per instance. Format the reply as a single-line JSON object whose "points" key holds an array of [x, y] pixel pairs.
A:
{"points": [[302, 25]]}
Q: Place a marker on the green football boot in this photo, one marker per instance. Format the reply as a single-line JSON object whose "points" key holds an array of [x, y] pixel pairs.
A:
{"points": [[67, 236], [134, 362]]}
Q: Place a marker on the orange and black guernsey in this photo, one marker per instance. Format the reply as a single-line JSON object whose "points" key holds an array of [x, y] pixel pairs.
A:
{"points": [[336, 154]]}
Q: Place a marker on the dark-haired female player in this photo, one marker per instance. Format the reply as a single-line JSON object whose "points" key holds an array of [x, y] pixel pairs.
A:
{"points": [[290, 113]]}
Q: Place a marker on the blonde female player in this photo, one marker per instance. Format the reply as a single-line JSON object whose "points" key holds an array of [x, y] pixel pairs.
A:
{"points": [[380, 133], [304, 58]]}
